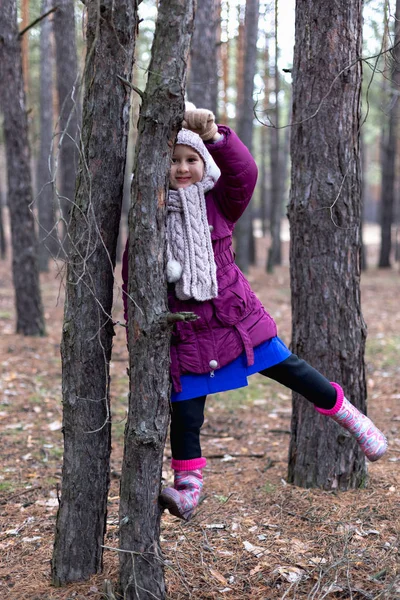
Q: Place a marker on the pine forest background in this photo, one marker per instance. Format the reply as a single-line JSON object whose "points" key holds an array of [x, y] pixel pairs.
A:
{"points": [[378, 100]]}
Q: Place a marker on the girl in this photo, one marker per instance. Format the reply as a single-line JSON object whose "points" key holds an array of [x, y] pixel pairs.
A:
{"points": [[233, 336]]}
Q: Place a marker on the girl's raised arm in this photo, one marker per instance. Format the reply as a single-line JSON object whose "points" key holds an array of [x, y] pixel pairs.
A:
{"points": [[239, 171]]}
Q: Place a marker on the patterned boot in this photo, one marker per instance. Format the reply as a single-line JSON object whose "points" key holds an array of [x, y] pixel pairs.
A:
{"points": [[371, 440], [182, 499]]}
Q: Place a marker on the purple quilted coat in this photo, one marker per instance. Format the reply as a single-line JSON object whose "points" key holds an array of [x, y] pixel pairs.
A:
{"points": [[235, 321]]}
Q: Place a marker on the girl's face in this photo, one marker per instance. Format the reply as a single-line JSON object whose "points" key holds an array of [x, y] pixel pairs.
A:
{"points": [[187, 167]]}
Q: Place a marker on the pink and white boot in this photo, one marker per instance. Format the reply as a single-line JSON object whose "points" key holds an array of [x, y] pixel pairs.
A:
{"points": [[183, 498], [371, 440]]}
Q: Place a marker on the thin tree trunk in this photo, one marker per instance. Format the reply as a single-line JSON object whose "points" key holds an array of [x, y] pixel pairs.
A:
{"points": [[25, 44], [225, 47], [240, 52], [328, 327], [275, 252], [130, 155], [363, 153], [29, 310], [397, 244], [219, 68], [68, 103], [264, 193], [3, 245], [245, 110], [141, 563], [88, 327], [48, 243], [389, 153], [285, 158], [202, 86]]}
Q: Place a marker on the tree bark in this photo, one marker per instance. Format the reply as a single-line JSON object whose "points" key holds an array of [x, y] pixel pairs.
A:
{"points": [[25, 45], [3, 245], [130, 155], [245, 110], [225, 51], [264, 176], [264, 144], [389, 154], [141, 566], [88, 327], [363, 162], [275, 251], [48, 243], [202, 86], [239, 58], [29, 310], [218, 53], [325, 219], [68, 103]]}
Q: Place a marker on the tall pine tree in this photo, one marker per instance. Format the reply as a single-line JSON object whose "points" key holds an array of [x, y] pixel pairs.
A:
{"points": [[325, 219], [30, 320], [88, 327]]}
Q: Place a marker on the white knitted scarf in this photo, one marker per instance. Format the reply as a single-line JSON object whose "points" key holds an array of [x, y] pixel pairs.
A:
{"points": [[190, 255]]}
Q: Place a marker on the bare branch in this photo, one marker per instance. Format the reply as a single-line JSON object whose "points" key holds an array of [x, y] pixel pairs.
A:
{"points": [[317, 110], [36, 21], [133, 87], [183, 316]]}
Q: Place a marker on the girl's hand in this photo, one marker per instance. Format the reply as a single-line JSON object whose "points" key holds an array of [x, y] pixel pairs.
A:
{"points": [[202, 122]]}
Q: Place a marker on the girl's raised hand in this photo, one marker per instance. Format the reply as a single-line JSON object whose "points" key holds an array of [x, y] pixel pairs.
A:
{"points": [[202, 122]]}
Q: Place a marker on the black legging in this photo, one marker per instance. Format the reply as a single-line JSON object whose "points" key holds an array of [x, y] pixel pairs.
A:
{"points": [[188, 415]]}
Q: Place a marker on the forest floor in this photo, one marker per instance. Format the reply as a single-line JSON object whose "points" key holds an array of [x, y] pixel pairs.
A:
{"points": [[253, 536]]}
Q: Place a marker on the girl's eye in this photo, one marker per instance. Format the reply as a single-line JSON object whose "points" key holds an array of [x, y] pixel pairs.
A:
{"points": [[174, 161]]}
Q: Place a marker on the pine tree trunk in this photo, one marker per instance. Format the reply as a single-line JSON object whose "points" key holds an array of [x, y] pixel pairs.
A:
{"points": [[325, 214], [88, 327], [130, 155], [265, 176], [68, 104], [219, 67], [264, 192], [275, 252], [202, 86], [25, 45], [363, 152], [48, 243], [3, 245], [225, 48], [245, 110], [141, 563], [29, 311], [389, 154], [239, 66]]}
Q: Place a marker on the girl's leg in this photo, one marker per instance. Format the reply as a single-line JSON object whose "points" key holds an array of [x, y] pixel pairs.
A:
{"points": [[186, 421], [302, 378], [187, 418], [329, 400]]}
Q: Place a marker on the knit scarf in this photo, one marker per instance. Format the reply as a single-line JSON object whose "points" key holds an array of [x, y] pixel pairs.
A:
{"points": [[189, 250]]}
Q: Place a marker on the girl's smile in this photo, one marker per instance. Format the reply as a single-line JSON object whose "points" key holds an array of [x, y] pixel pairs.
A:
{"points": [[187, 167]]}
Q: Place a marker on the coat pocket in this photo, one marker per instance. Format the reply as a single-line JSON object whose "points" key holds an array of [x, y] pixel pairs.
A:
{"points": [[235, 299], [187, 330]]}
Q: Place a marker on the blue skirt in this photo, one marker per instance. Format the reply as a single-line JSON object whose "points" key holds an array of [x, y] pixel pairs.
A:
{"points": [[234, 375]]}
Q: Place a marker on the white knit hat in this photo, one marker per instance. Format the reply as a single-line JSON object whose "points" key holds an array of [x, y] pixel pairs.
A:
{"points": [[189, 138]]}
